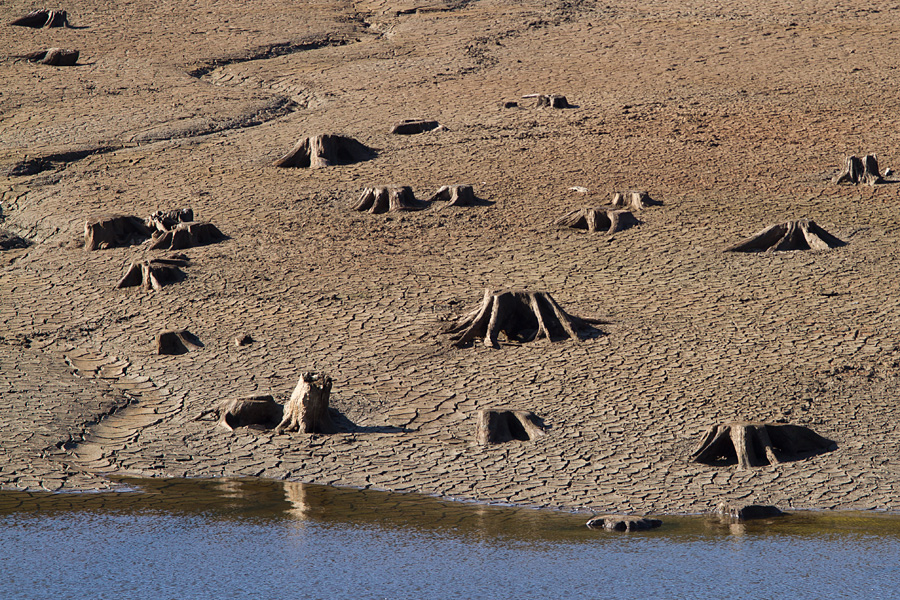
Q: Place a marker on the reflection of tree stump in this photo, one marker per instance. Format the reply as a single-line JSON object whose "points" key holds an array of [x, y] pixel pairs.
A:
{"points": [[413, 126], [600, 218], [552, 101], [860, 171], [623, 523], [455, 195], [186, 235], [793, 235], [390, 198], [325, 151], [633, 200], [307, 410], [499, 426], [176, 342], [758, 444], [747, 512], [248, 411], [112, 231], [165, 221], [57, 57], [37, 19], [153, 274], [521, 316]]}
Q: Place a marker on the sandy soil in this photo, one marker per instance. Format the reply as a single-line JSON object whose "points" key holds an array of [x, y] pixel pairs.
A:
{"points": [[734, 115]]}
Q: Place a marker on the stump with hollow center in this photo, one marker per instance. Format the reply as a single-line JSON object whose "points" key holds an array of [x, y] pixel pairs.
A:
{"points": [[496, 426], [38, 19], [455, 195], [248, 411], [598, 218], [633, 200], [56, 57], [803, 234], [391, 198], [751, 444], [325, 151], [623, 523], [307, 410], [522, 316], [858, 170], [113, 231], [153, 274], [186, 235], [175, 342], [414, 126]]}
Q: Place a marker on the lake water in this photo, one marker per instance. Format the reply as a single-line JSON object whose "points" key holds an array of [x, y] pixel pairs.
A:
{"points": [[185, 539]]}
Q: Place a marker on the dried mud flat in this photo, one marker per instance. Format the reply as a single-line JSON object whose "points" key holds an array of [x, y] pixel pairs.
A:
{"points": [[734, 116]]}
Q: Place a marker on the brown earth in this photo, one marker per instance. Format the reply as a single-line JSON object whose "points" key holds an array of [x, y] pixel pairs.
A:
{"points": [[734, 115]]}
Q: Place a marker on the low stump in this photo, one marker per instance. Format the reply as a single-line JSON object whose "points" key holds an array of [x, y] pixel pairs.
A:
{"points": [[325, 151], [746, 512], [414, 126], [249, 411], [750, 444], [608, 219], [803, 234], [623, 523], [496, 426], [176, 342], [391, 198], [113, 231]]}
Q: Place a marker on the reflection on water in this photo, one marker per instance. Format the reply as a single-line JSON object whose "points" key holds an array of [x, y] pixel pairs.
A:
{"points": [[263, 539]]}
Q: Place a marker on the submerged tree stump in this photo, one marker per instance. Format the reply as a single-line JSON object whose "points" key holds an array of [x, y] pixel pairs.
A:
{"points": [[307, 410], [633, 200], [153, 274], [186, 235], [414, 126], [522, 316], [57, 57], [758, 444], [38, 19], [599, 218], [623, 523], [858, 170], [176, 342], [112, 231], [803, 234], [746, 512], [497, 426], [377, 200], [455, 195], [248, 411], [325, 151]]}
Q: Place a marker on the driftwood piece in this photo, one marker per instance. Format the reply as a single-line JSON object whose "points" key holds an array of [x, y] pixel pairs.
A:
{"points": [[390, 198], [176, 342], [325, 151], [248, 411], [413, 126], [858, 170], [552, 101], [758, 444], [57, 57], [186, 235], [153, 274], [496, 426], [307, 410], [633, 200], [623, 523], [746, 512], [165, 221], [598, 218], [38, 19], [522, 316], [803, 234], [113, 231], [455, 195]]}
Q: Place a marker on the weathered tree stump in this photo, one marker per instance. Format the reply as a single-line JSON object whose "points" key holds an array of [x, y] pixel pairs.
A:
{"points": [[522, 316], [166, 221], [598, 218], [390, 198], [325, 151], [186, 235], [153, 274], [38, 19], [455, 195], [57, 57], [307, 410], [497, 426], [803, 234], [112, 231], [858, 170], [9, 241], [758, 444], [746, 512], [248, 411], [176, 342], [243, 339], [623, 523], [633, 200], [414, 126], [551, 101]]}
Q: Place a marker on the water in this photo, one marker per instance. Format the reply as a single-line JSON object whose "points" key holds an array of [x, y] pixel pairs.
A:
{"points": [[185, 539]]}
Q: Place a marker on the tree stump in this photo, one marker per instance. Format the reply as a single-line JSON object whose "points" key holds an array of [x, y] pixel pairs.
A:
{"points": [[746, 512], [552, 101], [858, 170], [522, 316], [623, 523], [9, 241], [186, 235], [414, 126], [176, 342], [325, 151], [307, 410], [599, 218], [153, 274], [248, 411], [455, 195], [633, 200], [390, 198], [112, 231], [758, 444], [57, 57], [166, 221], [803, 234], [497, 426], [38, 19]]}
